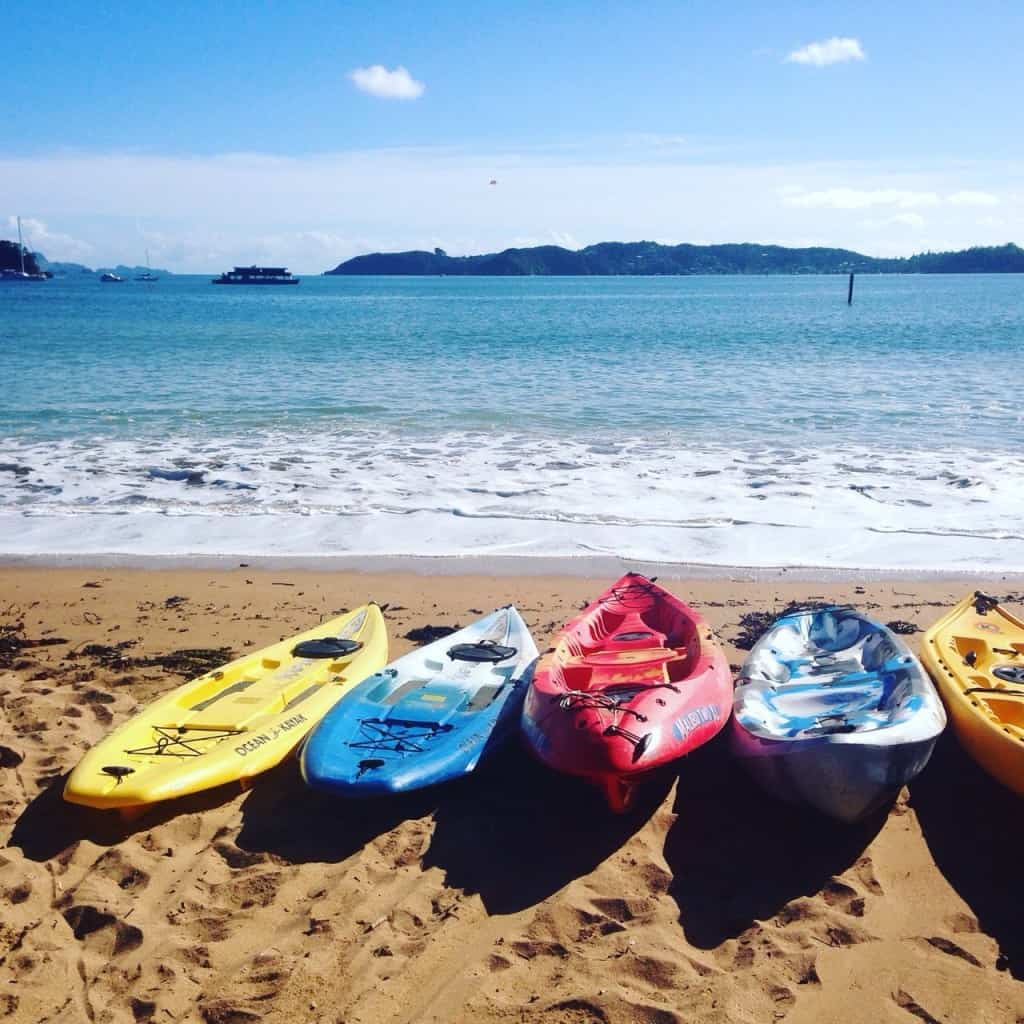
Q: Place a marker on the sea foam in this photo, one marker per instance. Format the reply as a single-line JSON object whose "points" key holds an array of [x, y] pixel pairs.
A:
{"points": [[656, 498]]}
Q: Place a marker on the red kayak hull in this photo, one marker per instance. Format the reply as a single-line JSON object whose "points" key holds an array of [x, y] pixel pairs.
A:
{"points": [[633, 682]]}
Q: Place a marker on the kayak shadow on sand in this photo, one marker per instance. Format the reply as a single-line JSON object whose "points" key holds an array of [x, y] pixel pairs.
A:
{"points": [[515, 832], [975, 832], [284, 817], [49, 824], [738, 855]]}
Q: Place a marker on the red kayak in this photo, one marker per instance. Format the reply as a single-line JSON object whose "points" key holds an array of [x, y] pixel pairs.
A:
{"points": [[633, 682]]}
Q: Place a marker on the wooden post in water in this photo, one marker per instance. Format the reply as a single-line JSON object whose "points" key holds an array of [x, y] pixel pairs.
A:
{"points": [[849, 294]]}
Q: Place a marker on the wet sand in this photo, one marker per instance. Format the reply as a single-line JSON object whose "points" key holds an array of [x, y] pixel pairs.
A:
{"points": [[510, 896]]}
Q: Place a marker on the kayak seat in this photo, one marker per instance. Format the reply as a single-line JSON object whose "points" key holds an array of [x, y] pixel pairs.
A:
{"points": [[831, 631], [400, 691], [635, 658], [594, 632], [850, 703], [618, 631], [235, 708], [679, 669], [576, 675], [483, 697], [227, 691]]}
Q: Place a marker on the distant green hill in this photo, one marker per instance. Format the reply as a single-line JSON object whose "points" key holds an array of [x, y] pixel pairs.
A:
{"points": [[125, 271], [10, 258], [60, 268], [36, 262], [652, 258]]}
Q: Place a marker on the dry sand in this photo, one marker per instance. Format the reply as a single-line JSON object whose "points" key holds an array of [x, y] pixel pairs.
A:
{"points": [[510, 896]]}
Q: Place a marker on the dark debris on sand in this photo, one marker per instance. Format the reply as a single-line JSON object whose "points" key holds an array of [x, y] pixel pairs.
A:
{"points": [[188, 662], [903, 627], [13, 641], [754, 625], [428, 634], [106, 655], [192, 661]]}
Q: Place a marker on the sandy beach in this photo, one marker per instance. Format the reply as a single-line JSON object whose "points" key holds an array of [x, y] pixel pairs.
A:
{"points": [[511, 896]]}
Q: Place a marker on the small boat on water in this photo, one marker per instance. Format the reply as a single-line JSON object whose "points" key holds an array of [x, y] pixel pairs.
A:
{"points": [[109, 277], [147, 274], [833, 710], [975, 654], [634, 682], [257, 275], [428, 717]]}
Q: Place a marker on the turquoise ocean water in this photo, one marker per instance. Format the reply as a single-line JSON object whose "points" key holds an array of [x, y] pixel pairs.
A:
{"points": [[738, 420]]}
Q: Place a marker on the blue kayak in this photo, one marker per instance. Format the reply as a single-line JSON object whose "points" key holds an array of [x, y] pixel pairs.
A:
{"points": [[428, 717]]}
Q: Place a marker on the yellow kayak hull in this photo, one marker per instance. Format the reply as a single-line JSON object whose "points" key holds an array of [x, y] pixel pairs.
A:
{"points": [[232, 723], [975, 654]]}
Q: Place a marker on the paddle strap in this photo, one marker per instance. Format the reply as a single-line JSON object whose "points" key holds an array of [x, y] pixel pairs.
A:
{"points": [[573, 700]]}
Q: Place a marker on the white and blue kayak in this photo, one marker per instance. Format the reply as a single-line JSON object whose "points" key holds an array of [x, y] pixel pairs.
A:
{"points": [[428, 717], [833, 710]]}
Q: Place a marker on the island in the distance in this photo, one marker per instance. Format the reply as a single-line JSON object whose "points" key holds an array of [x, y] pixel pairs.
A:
{"points": [[37, 263], [653, 258]]}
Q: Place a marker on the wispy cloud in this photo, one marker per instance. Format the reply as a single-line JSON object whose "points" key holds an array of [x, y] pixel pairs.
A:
{"points": [[378, 81], [54, 244], [860, 199], [836, 50], [968, 198]]}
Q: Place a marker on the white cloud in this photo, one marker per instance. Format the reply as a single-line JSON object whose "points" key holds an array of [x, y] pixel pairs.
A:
{"points": [[968, 198], [836, 50], [54, 245], [378, 81], [860, 199]]}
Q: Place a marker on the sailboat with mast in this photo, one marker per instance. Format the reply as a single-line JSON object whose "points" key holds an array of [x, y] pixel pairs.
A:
{"points": [[148, 275], [9, 274]]}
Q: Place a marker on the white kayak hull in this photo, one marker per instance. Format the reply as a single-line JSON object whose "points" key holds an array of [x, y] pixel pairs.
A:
{"points": [[832, 710]]}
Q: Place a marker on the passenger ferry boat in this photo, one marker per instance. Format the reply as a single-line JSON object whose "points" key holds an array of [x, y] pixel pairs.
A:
{"points": [[257, 275]]}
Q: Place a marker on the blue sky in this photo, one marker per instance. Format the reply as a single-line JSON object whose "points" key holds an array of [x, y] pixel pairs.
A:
{"points": [[209, 133]]}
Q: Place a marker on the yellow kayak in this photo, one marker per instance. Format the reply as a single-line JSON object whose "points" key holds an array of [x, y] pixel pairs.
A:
{"points": [[975, 653], [234, 722]]}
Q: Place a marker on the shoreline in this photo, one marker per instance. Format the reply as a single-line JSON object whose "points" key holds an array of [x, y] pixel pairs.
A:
{"points": [[527, 566]]}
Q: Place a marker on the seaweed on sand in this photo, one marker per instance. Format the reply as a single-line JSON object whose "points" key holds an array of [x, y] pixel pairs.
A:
{"points": [[428, 634], [754, 625], [13, 641]]}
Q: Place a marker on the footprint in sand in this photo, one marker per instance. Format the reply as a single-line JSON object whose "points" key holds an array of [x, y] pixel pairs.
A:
{"points": [[102, 932], [864, 869], [843, 897], [114, 865], [623, 910], [907, 1002], [952, 949]]}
